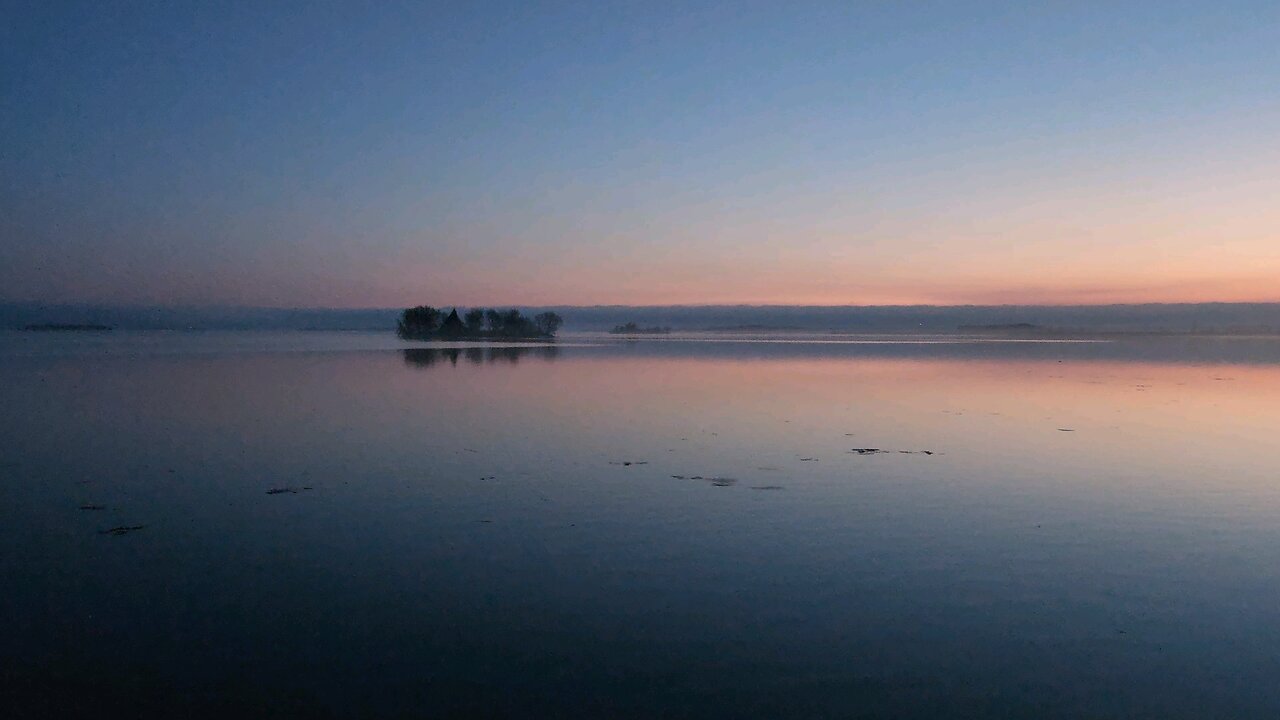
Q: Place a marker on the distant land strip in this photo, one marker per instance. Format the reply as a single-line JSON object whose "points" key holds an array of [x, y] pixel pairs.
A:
{"points": [[1185, 318]]}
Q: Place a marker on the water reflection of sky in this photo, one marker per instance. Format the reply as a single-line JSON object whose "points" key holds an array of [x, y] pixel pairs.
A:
{"points": [[1095, 533]]}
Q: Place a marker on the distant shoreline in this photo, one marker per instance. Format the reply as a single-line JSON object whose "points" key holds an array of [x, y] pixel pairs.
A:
{"points": [[632, 328], [1027, 330], [66, 327], [750, 327], [1174, 318]]}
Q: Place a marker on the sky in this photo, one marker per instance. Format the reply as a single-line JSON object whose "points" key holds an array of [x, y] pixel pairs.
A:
{"points": [[386, 154]]}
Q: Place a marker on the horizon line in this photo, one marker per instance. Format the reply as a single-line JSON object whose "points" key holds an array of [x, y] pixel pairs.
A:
{"points": [[231, 306]]}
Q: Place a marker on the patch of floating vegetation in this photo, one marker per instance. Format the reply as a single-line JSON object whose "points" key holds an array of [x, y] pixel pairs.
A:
{"points": [[287, 490], [628, 463], [880, 451], [121, 530], [717, 481]]}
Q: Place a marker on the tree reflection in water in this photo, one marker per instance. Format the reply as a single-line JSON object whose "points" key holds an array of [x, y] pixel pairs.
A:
{"points": [[428, 357]]}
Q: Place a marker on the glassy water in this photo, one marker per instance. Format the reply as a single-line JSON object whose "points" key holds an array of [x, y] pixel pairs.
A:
{"points": [[677, 527]]}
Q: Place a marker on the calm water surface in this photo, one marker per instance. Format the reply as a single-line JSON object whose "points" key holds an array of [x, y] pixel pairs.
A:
{"points": [[671, 527]]}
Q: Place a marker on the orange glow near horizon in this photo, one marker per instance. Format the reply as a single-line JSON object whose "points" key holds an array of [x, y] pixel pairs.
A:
{"points": [[839, 283]]}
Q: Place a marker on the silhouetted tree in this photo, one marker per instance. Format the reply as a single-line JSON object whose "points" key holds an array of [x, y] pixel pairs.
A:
{"points": [[512, 321], [548, 322], [474, 320], [452, 325], [418, 321], [494, 319]]}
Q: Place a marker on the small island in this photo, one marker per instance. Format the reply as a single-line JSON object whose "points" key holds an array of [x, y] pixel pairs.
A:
{"points": [[1017, 328], [633, 329], [427, 323]]}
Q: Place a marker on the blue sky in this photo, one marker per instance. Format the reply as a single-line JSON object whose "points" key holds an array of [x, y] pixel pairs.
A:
{"points": [[353, 154]]}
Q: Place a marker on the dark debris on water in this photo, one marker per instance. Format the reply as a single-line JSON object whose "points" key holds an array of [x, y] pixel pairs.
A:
{"points": [[121, 530], [879, 451], [716, 481], [287, 489]]}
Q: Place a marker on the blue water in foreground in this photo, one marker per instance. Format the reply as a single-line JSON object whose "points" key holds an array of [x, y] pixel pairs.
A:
{"points": [[672, 527]]}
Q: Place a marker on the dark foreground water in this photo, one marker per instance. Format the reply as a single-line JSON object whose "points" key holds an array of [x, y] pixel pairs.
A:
{"points": [[667, 528]]}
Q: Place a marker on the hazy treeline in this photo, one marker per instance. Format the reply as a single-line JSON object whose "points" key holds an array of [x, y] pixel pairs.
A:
{"points": [[126, 317], [1179, 317]]}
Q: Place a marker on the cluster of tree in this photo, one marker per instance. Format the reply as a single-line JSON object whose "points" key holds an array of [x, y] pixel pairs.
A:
{"points": [[633, 329], [428, 323]]}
